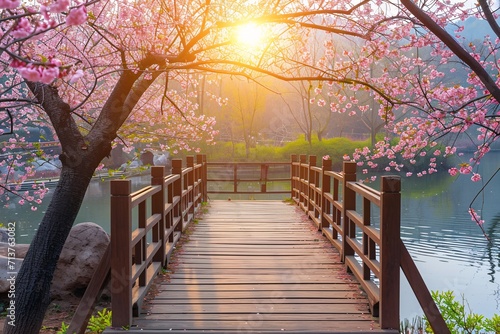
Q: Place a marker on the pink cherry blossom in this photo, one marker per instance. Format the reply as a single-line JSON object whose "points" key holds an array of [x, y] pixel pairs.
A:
{"points": [[23, 28], [465, 168], [9, 4], [49, 74], [475, 217], [30, 73], [476, 177], [76, 76], [59, 6], [77, 16]]}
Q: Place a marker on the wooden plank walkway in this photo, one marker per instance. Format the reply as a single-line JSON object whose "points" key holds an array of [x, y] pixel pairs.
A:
{"points": [[257, 266]]}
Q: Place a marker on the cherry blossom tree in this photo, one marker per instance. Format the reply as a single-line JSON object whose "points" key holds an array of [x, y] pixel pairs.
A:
{"points": [[93, 73], [101, 72]]}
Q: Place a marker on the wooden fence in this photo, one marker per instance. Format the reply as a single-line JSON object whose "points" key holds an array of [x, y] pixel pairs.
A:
{"points": [[248, 177], [370, 246]]}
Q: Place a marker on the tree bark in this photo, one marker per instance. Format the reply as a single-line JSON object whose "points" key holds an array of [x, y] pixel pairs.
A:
{"points": [[32, 293]]}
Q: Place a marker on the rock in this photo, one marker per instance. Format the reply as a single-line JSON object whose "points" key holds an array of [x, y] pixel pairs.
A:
{"points": [[4, 235], [79, 258], [20, 250], [8, 266]]}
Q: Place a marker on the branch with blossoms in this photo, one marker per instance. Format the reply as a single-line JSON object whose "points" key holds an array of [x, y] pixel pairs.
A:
{"points": [[473, 213], [11, 122], [23, 26], [457, 49]]}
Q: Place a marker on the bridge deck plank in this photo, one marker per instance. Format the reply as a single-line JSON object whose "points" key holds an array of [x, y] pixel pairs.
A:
{"points": [[257, 267]]}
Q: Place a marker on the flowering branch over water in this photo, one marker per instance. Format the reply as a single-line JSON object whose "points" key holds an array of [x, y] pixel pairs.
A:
{"points": [[473, 213]]}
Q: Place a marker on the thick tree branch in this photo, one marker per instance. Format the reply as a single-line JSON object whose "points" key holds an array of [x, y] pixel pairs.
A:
{"points": [[59, 113], [489, 17], [201, 66]]}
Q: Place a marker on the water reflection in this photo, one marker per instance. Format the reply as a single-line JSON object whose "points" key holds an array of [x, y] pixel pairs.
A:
{"points": [[95, 208], [449, 249]]}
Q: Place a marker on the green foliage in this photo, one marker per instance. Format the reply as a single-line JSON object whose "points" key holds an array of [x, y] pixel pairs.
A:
{"points": [[269, 153], [334, 147], [64, 329], [455, 314], [458, 317], [493, 324], [97, 324]]}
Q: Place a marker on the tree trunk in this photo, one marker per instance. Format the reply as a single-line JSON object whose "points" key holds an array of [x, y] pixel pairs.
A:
{"points": [[320, 135], [309, 137], [32, 290]]}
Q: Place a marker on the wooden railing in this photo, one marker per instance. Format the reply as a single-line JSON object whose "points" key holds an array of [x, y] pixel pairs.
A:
{"points": [[145, 226], [343, 210], [248, 177], [163, 211]]}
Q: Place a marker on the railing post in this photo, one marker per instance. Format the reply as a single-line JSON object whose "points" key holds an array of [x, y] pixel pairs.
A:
{"points": [[121, 253], [190, 184], [235, 178], [303, 179], [263, 177], [205, 178], [311, 179], [325, 188], [157, 207], [293, 175], [178, 184], [202, 179], [349, 203], [390, 251]]}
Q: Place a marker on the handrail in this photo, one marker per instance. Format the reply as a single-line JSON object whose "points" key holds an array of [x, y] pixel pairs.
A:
{"points": [[161, 212], [370, 253], [232, 177]]}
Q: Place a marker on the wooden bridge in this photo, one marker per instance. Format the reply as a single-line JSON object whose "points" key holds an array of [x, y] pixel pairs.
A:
{"points": [[328, 263]]}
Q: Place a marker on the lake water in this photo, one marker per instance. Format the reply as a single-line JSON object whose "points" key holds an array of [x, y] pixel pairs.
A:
{"points": [[449, 249]]}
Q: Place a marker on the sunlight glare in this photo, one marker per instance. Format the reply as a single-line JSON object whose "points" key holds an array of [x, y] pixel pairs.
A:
{"points": [[250, 34]]}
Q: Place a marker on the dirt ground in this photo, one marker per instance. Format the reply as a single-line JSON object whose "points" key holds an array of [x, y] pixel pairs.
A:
{"points": [[59, 311]]}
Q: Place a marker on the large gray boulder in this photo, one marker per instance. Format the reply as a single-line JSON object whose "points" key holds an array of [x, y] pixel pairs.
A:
{"points": [[79, 258]]}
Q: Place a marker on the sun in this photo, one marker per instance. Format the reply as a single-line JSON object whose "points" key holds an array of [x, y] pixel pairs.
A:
{"points": [[250, 34]]}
